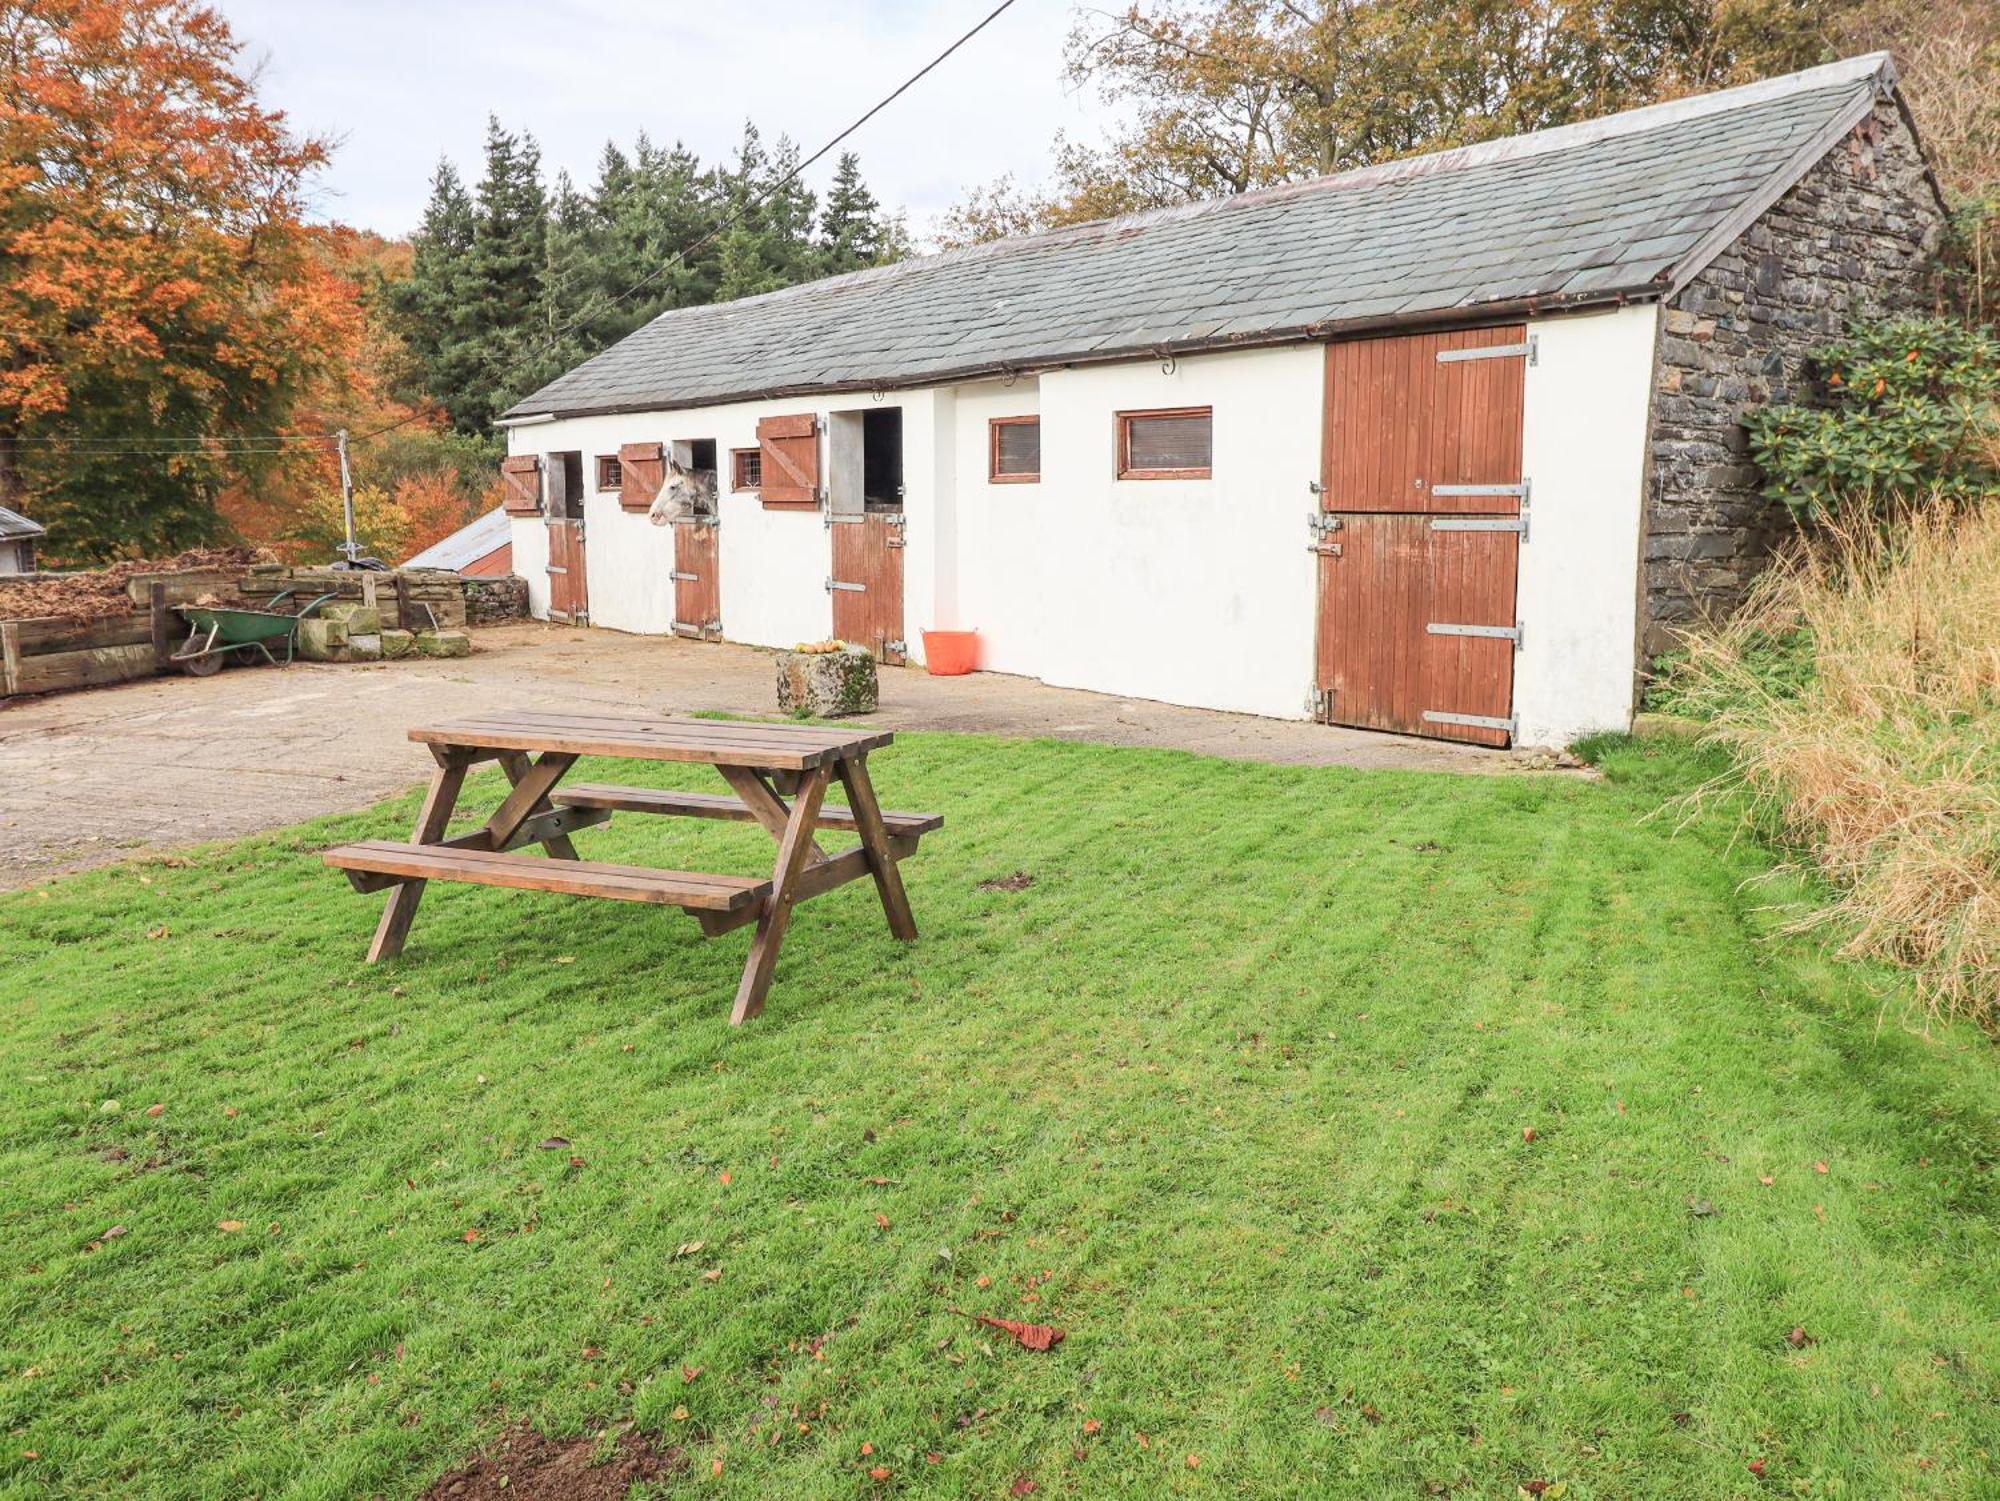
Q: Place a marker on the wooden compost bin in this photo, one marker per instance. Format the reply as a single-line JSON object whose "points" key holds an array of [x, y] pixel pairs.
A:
{"points": [[47, 654]]}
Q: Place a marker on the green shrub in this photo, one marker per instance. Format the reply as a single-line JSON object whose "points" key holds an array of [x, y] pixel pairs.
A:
{"points": [[1911, 414]]}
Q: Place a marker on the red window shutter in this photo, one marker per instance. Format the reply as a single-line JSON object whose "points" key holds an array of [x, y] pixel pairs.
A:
{"points": [[789, 448], [644, 469], [521, 479]]}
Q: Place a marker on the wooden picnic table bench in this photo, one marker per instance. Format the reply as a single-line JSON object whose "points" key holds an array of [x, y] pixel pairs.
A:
{"points": [[764, 763]]}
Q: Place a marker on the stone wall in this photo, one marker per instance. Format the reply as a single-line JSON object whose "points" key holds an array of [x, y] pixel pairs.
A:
{"points": [[489, 601], [1858, 235]]}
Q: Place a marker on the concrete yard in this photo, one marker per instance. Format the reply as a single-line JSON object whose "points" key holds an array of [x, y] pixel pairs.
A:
{"points": [[171, 761]]}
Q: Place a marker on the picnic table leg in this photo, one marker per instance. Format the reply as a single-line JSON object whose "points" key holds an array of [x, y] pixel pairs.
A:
{"points": [[764, 803], [432, 820], [875, 839], [517, 765], [793, 851]]}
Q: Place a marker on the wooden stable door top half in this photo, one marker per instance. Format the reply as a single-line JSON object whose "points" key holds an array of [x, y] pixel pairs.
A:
{"points": [[1426, 422]]}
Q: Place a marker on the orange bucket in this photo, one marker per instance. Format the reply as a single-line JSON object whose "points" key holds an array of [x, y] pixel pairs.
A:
{"points": [[948, 654]]}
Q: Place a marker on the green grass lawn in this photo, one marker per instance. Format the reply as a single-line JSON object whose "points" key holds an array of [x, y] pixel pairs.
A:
{"points": [[1236, 1092]]}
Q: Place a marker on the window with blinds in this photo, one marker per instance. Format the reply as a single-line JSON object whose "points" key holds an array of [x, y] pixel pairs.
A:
{"points": [[1015, 450], [1175, 444]]}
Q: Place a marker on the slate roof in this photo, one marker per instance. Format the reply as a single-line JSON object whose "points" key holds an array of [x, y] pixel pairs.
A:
{"points": [[468, 544], [1631, 205], [13, 526]]}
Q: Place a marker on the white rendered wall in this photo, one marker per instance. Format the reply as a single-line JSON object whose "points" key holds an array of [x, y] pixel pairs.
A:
{"points": [[1194, 592], [1198, 592], [1003, 553], [1584, 451], [774, 563]]}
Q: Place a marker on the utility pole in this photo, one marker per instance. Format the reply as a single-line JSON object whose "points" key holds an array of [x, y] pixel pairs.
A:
{"points": [[350, 546]]}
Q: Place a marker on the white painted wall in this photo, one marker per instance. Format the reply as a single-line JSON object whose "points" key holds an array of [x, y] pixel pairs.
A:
{"points": [[1188, 591], [1199, 592], [1584, 451], [999, 582]]}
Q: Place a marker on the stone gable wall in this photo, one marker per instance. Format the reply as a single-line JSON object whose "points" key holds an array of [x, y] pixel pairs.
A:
{"points": [[1858, 235]]}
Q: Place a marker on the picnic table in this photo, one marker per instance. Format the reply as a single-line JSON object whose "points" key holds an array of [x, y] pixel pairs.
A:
{"points": [[764, 764]]}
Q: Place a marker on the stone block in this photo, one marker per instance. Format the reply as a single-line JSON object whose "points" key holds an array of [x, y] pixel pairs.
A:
{"points": [[828, 685], [443, 644], [366, 647], [398, 644], [360, 620], [322, 640]]}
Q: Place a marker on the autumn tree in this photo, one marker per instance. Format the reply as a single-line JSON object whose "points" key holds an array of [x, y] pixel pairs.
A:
{"points": [[1221, 96], [162, 305]]}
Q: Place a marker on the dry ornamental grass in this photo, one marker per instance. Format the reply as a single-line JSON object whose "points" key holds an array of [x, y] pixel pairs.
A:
{"points": [[1859, 697]]}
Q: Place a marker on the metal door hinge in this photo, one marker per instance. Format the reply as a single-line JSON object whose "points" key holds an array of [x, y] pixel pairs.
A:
{"points": [[1319, 704], [684, 578], [1499, 632], [1482, 524], [1520, 489], [552, 568], [833, 584], [1490, 352], [1322, 526], [1470, 721]]}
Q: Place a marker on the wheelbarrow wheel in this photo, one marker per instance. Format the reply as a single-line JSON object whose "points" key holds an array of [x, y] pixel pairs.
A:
{"points": [[204, 666]]}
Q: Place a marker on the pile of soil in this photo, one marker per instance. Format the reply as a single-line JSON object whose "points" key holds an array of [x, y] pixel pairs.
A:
{"points": [[101, 591], [523, 1465]]}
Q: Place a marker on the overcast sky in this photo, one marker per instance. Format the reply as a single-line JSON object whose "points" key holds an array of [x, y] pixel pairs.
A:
{"points": [[400, 82]]}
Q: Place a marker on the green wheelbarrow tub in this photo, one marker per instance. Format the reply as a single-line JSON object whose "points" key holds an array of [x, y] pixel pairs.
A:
{"points": [[213, 633]]}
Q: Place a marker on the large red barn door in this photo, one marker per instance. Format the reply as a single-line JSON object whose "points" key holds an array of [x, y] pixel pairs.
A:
{"points": [[1420, 531]]}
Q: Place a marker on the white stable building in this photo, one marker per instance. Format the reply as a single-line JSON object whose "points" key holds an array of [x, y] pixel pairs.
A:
{"points": [[1410, 448]]}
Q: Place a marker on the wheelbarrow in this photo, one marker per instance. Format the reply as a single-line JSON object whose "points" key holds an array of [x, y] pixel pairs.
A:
{"points": [[214, 633]]}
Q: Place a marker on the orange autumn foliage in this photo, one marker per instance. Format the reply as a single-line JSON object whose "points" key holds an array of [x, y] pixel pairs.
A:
{"points": [[158, 286]]}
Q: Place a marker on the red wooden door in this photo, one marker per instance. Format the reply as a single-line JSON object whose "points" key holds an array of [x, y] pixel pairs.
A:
{"points": [[1417, 624], [867, 583], [569, 588], [1422, 495], [697, 583], [1412, 422]]}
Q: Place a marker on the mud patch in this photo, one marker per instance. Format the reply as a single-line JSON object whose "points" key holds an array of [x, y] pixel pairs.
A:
{"points": [[523, 1465], [1019, 881]]}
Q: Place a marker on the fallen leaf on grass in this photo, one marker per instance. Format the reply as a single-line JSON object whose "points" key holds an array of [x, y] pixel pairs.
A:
{"points": [[553, 1143], [1766, 1181], [157, 931], [1819, 1167], [723, 1177], [878, 1473], [1798, 1339], [1031, 1336], [688, 1248], [689, 1372], [1757, 1468], [114, 1232], [1702, 1209], [1022, 1486], [229, 1227], [1527, 1133], [470, 1236], [714, 1275], [881, 1221], [156, 1111], [1091, 1425]]}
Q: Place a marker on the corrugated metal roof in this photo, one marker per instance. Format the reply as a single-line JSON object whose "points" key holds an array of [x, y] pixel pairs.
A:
{"points": [[13, 525], [468, 544], [1626, 206]]}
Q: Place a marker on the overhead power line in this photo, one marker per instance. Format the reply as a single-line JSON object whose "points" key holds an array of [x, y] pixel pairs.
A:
{"points": [[680, 256], [252, 444]]}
